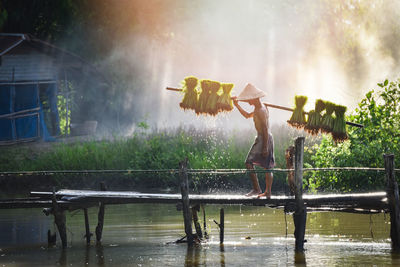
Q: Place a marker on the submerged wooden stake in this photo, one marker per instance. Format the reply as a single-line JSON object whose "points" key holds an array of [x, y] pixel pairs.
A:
{"points": [[187, 216], [59, 219], [221, 225], [392, 191], [197, 226], [300, 215], [88, 234], [51, 238], [100, 223], [204, 222]]}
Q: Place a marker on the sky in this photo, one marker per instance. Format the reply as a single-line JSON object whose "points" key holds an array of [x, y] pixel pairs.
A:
{"points": [[332, 50]]}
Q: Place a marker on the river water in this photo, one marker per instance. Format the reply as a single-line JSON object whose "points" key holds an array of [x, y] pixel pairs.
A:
{"points": [[139, 235]]}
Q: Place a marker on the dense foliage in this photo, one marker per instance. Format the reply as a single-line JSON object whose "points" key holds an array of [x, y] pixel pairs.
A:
{"points": [[379, 112]]}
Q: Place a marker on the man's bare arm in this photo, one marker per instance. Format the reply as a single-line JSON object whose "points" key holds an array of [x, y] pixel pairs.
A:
{"points": [[245, 114]]}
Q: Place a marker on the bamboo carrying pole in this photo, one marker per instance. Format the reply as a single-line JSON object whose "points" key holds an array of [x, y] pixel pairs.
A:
{"points": [[277, 107], [392, 191]]}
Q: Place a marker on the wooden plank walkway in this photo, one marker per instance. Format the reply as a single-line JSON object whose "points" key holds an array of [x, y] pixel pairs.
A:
{"points": [[70, 199]]}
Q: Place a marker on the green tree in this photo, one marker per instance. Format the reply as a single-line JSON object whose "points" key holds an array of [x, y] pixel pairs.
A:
{"points": [[46, 19], [379, 112]]}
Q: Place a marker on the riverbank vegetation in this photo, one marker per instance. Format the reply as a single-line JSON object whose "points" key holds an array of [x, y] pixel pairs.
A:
{"points": [[378, 111], [153, 150]]}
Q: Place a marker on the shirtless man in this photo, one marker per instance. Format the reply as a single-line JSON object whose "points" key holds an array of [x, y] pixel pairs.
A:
{"points": [[262, 151]]}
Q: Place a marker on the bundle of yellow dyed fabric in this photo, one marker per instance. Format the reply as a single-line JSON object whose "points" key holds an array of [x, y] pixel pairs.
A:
{"points": [[190, 98]]}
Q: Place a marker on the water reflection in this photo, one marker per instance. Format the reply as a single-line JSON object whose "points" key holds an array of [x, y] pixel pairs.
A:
{"points": [[88, 260], [193, 256], [100, 254], [23, 228], [396, 258], [87, 255], [222, 254], [300, 259], [63, 258], [138, 235]]}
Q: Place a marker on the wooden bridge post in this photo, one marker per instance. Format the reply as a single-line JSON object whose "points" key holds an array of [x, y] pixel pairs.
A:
{"points": [[392, 191], [51, 238], [221, 225], [204, 222], [100, 223], [88, 233], [300, 215], [59, 219], [196, 223], [187, 216]]}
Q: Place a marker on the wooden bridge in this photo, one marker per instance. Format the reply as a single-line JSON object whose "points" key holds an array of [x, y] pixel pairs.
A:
{"points": [[56, 203], [69, 199]]}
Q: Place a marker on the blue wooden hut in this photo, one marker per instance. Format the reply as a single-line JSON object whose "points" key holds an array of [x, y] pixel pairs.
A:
{"points": [[30, 71]]}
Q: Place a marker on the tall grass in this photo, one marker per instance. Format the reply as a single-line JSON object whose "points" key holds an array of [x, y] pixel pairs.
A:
{"points": [[152, 150]]}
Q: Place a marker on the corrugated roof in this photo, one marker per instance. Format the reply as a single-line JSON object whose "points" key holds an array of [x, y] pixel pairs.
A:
{"points": [[12, 42]]}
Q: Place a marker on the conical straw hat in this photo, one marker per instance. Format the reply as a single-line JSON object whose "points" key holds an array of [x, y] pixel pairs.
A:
{"points": [[250, 92]]}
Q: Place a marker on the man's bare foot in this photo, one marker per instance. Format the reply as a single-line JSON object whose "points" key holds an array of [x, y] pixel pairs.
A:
{"points": [[268, 196], [253, 193]]}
